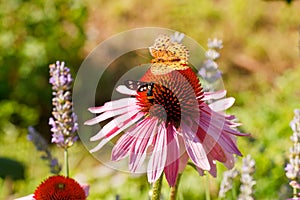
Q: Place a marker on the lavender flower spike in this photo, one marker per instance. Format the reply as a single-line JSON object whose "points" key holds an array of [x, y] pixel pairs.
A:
{"points": [[41, 145], [247, 181], [293, 167], [209, 70], [64, 120], [227, 181]]}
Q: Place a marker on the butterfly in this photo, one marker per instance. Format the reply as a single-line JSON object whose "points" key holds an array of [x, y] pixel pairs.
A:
{"points": [[140, 86], [168, 55], [164, 49]]}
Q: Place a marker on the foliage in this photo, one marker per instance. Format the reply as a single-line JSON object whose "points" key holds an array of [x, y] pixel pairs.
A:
{"points": [[267, 117], [34, 34]]}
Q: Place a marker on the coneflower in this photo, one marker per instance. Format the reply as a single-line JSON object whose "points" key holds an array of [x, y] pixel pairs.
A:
{"points": [[166, 120]]}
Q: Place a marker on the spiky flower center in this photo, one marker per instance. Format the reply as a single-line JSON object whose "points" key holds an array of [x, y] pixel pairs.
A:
{"points": [[175, 96], [59, 188]]}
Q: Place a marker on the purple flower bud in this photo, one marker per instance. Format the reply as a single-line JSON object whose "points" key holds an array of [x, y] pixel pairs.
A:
{"points": [[212, 54], [215, 43], [209, 70], [177, 37]]}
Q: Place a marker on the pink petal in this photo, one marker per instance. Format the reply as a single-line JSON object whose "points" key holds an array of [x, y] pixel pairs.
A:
{"points": [[113, 105], [228, 129], [28, 197], [200, 171], [158, 158], [214, 95], [216, 126], [122, 148], [171, 170], [222, 139], [213, 169], [124, 90], [115, 131], [221, 105], [110, 114], [183, 162], [230, 145], [213, 149], [86, 189], [194, 148], [120, 123], [230, 161], [212, 119], [143, 138]]}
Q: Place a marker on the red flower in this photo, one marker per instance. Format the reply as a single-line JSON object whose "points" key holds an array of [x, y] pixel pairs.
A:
{"points": [[59, 188]]}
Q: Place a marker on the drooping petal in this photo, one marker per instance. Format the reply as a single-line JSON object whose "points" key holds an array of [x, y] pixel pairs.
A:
{"points": [[172, 162], [158, 158], [229, 144], [143, 138], [114, 131], [213, 168], [122, 147], [214, 149], [216, 121], [220, 137], [215, 125], [229, 161], [118, 124], [183, 160], [195, 148]]}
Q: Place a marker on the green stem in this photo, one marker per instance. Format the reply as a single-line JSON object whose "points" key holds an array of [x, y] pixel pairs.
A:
{"points": [[174, 190], [157, 189], [233, 191], [207, 191], [295, 193], [66, 156]]}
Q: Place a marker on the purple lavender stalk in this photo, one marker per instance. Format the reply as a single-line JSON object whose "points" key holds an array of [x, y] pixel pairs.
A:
{"points": [[41, 145], [227, 181], [209, 71], [293, 167], [247, 181], [64, 121]]}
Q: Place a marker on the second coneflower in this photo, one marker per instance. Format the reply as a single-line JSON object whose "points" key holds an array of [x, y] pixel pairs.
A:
{"points": [[59, 188], [166, 120]]}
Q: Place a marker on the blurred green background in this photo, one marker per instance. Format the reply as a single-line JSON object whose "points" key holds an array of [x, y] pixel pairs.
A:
{"points": [[259, 61]]}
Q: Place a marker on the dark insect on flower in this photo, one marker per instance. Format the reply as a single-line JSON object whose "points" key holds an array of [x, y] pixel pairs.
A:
{"points": [[140, 86]]}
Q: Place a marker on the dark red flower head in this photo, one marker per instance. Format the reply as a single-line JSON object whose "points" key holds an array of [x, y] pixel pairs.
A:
{"points": [[59, 188]]}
